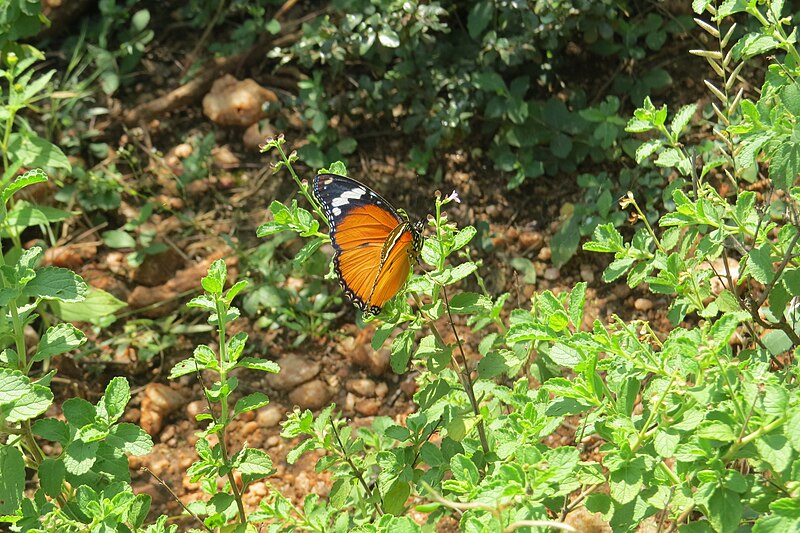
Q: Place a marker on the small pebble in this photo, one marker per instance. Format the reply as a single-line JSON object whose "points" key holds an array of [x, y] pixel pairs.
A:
{"points": [[532, 240], [551, 274], [368, 406], [381, 389], [587, 273], [642, 304], [295, 369], [312, 395], [364, 387], [195, 408], [545, 254], [269, 415], [250, 428]]}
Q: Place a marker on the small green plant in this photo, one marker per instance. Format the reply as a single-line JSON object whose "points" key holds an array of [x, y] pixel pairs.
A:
{"points": [[216, 458], [289, 295], [86, 483], [136, 235]]}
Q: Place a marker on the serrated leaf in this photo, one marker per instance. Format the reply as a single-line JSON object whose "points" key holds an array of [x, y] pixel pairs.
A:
{"points": [[759, 264], [647, 148], [51, 429], [187, 366], [625, 483], [30, 177], [116, 397], [12, 479], [80, 456], [130, 439], [51, 476], [54, 283], [256, 463], [258, 364], [682, 118], [78, 412], [215, 280], [58, 339], [30, 405], [250, 402]]}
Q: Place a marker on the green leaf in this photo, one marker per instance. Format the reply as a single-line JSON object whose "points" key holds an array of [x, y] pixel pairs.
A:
{"points": [[138, 509], [256, 463], [724, 510], [58, 339], [117, 238], [759, 264], [53, 283], [12, 479], [716, 430], [463, 237], [577, 299], [214, 282], [479, 18], [187, 366], [492, 365], [34, 151], [490, 81], [388, 37], [52, 429], [606, 238], [785, 165], [306, 252], [80, 456], [29, 178], [775, 450], [254, 363], [682, 118], [78, 412], [452, 274], [116, 397], [30, 405], [669, 158], [97, 308], [51, 476], [564, 355], [754, 44], [401, 351], [625, 483], [464, 469], [13, 385], [469, 303], [129, 438], [565, 241], [250, 402], [394, 501]]}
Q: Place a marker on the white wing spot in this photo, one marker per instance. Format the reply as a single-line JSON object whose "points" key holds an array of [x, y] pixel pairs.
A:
{"points": [[336, 211], [352, 194]]}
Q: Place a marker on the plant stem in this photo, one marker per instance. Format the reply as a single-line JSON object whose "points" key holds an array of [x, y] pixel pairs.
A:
{"points": [[356, 471], [223, 376]]}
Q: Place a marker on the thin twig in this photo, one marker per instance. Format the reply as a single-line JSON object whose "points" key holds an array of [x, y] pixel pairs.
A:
{"points": [[356, 471], [467, 378], [163, 484]]}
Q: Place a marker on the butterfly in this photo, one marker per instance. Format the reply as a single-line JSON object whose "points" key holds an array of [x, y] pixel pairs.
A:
{"points": [[374, 244]]}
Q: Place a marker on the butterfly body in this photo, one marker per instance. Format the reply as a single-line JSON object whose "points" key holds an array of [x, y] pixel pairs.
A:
{"points": [[375, 245]]}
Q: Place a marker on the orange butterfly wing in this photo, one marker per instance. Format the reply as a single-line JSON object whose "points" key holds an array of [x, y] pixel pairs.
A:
{"points": [[395, 271], [361, 237]]}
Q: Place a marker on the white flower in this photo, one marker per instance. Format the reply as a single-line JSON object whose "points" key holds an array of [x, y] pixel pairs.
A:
{"points": [[453, 198]]}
